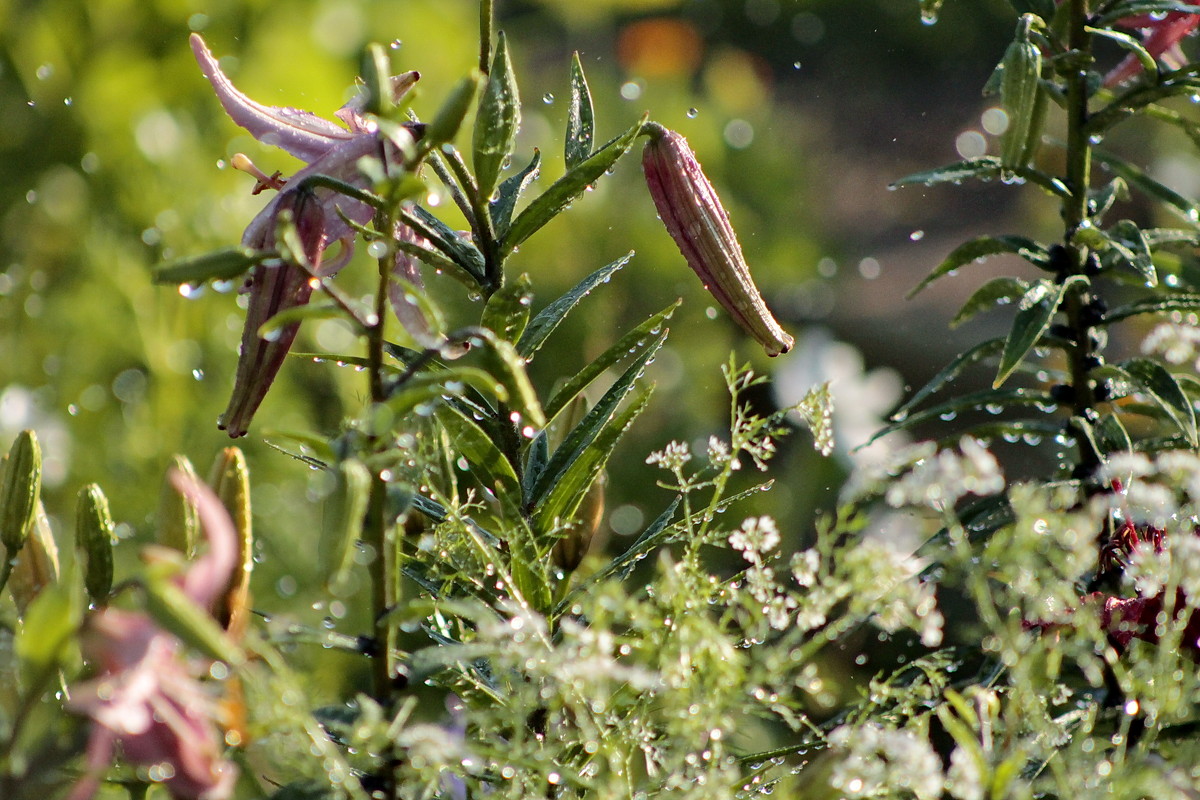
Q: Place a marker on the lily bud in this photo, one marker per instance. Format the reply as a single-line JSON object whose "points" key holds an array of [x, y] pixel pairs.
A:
{"points": [[178, 518], [94, 541], [692, 212], [22, 484], [230, 481], [37, 565]]}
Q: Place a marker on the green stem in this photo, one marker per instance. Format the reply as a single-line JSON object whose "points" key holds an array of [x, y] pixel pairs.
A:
{"points": [[485, 233], [487, 26], [1075, 215]]}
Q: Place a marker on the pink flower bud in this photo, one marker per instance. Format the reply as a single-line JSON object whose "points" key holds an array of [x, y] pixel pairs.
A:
{"points": [[692, 212]]}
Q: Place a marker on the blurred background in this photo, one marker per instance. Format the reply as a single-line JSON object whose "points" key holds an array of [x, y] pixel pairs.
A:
{"points": [[114, 153]]}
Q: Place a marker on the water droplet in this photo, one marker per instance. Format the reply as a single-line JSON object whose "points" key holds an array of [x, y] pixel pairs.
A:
{"points": [[395, 44], [44, 71], [548, 98], [795, 65], [198, 374], [377, 249], [692, 113], [916, 236]]}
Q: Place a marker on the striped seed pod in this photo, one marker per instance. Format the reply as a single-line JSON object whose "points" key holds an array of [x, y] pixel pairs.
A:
{"points": [[1020, 90], [692, 212]]}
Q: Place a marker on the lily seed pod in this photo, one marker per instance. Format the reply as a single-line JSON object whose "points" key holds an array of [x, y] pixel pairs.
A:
{"points": [[37, 565], [22, 486], [230, 481], [94, 541], [693, 215], [178, 518]]}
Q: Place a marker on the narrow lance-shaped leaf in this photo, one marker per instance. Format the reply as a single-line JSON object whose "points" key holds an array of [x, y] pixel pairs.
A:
{"points": [[571, 488], [507, 311], [1033, 319], [996, 292], [224, 264], [449, 118], [581, 122], [984, 168], [627, 344], [1137, 178], [585, 433], [1130, 248], [991, 400], [497, 121], [492, 468], [546, 320], [1156, 304], [980, 248], [510, 192], [341, 522], [1155, 380], [573, 183], [948, 373]]}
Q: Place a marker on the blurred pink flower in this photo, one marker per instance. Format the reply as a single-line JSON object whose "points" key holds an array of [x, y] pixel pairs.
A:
{"points": [[147, 698], [1161, 37], [320, 214]]}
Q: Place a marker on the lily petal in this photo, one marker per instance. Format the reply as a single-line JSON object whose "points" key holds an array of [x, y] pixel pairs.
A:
{"points": [[299, 132]]}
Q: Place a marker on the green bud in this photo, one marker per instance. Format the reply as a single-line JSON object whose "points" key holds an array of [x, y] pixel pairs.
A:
{"points": [[341, 525], [94, 541], [175, 612], [178, 520], [1020, 87], [22, 485], [36, 566], [230, 481], [450, 116]]}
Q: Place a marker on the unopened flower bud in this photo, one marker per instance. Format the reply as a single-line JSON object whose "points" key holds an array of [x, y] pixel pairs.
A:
{"points": [[37, 565], [178, 519], [692, 212], [94, 541], [22, 484], [230, 481]]}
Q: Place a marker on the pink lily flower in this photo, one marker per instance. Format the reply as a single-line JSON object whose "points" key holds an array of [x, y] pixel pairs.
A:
{"points": [[147, 698], [1162, 38], [327, 149]]}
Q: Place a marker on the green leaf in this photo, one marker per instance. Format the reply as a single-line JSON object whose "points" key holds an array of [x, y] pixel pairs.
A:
{"points": [[593, 423], [581, 121], [47, 628], [536, 458], [1127, 247], [1122, 10], [985, 168], [342, 521], [948, 373], [1133, 45], [991, 400], [628, 343], [487, 462], [441, 236], [507, 311], [1156, 381], [1153, 305], [1135, 177], [549, 317], [441, 385], [996, 292], [568, 491], [1102, 199], [510, 192], [297, 314], [1029, 431], [177, 613], [497, 120], [572, 184], [449, 118], [980, 248], [1033, 319], [220, 265], [508, 366]]}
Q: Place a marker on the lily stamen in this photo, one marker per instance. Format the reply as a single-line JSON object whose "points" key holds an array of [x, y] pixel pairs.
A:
{"points": [[242, 163]]}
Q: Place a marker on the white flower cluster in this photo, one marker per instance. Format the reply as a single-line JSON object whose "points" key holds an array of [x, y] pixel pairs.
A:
{"points": [[672, 457], [1177, 565], [757, 538], [1176, 343], [880, 762], [895, 596], [1156, 491], [920, 475], [963, 779]]}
